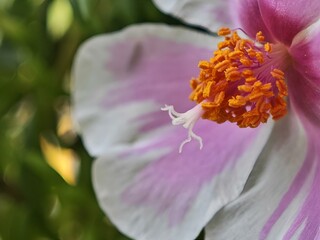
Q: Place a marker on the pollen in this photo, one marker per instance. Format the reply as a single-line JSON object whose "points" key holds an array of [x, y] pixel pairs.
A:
{"points": [[239, 83], [224, 31]]}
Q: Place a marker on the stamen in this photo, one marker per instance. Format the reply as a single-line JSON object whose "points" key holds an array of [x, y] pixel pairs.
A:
{"points": [[224, 31], [239, 84], [259, 36], [267, 47], [187, 120], [241, 71]]}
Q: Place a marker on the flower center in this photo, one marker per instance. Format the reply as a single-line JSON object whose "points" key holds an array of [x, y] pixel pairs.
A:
{"points": [[241, 83]]}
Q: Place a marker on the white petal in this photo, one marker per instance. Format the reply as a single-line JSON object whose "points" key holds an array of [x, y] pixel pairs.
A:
{"points": [[276, 190], [211, 14]]}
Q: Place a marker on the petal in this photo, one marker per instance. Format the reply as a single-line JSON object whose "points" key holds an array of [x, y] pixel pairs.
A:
{"points": [[248, 17], [286, 18], [123, 78], [274, 203], [211, 14], [150, 191], [304, 80]]}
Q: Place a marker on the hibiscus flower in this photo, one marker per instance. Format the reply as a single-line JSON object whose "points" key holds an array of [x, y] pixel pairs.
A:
{"points": [[255, 109]]}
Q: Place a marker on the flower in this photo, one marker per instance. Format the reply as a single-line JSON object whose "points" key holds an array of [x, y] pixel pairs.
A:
{"points": [[258, 182]]}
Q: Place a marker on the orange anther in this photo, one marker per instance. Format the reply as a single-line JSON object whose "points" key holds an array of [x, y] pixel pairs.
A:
{"points": [[221, 66], [247, 73], [224, 44], [193, 83], [209, 105], [218, 58], [242, 44], [233, 86], [259, 36], [207, 89], [204, 64], [267, 47], [259, 56], [224, 31], [282, 88], [277, 74], [263, 106], [237, 101], [252, 53], [245, 88], [266, 87], [256, 95], [219, 97], [251, 79], [235, 54], [232, 74], [279, 110], [235, 38], [246, 61]]}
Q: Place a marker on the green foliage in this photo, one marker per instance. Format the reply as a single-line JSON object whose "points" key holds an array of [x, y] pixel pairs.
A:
{"points": [[38, 40]]}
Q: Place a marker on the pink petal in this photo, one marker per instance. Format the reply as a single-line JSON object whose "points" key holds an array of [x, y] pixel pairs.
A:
{"points": [[304, 81], [280, 200], [211, 14], [150, 191], [286, 18], [247, 16], [123, 79], [307, 221]]}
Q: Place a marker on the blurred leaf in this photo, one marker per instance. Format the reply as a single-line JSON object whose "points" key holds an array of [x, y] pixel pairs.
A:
{"points": [[12, 27], [38, 40], [4, 4], [84, 7]]}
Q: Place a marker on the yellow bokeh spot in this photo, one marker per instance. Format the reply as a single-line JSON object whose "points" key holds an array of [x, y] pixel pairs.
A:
{"points": [[64, 161], [59, 18]]}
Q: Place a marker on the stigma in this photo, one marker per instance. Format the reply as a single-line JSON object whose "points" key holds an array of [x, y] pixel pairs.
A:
{"points": [[241, 83], [187, 120]]}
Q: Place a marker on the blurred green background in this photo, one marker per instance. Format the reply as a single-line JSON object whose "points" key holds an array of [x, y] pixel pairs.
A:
{"points": [[45, 183]]}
